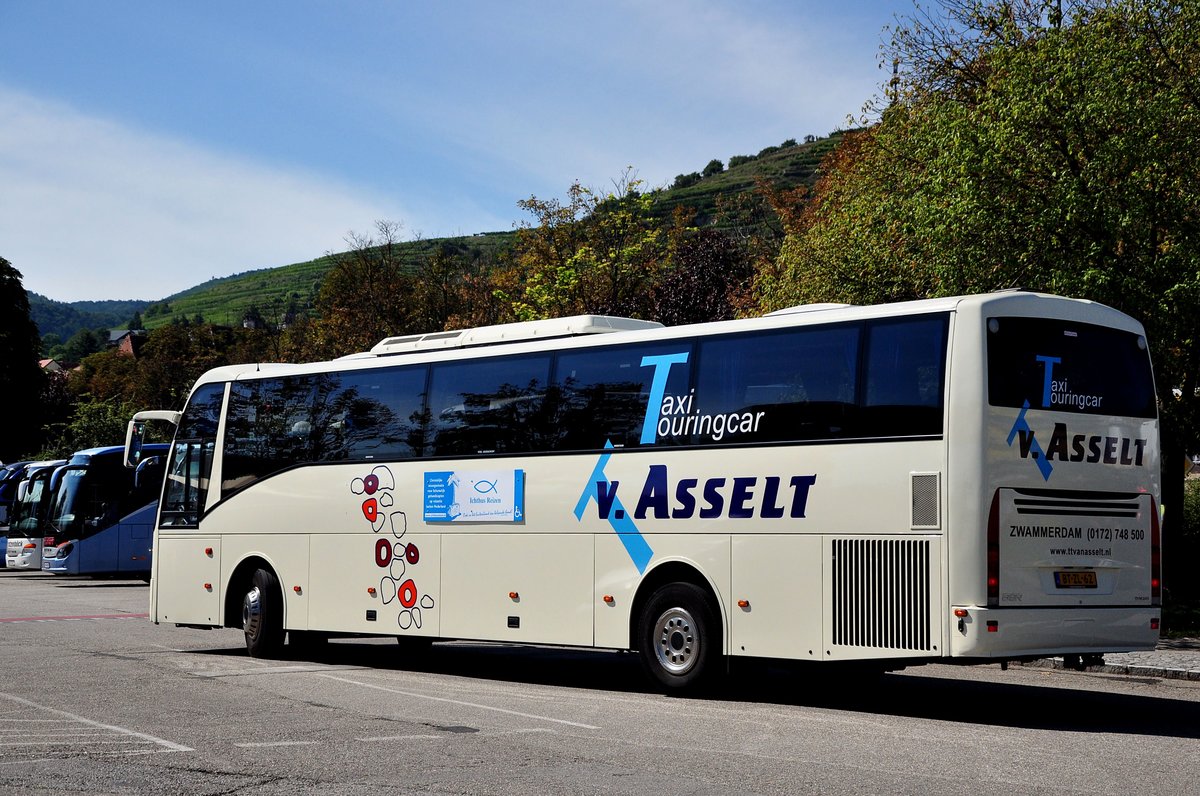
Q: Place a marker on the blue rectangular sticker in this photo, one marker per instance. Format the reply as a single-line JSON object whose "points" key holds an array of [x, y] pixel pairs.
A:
{"points": [[475, 496]]}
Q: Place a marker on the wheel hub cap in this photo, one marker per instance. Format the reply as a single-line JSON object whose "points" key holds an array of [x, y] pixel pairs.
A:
{"points": [[252, 612], [676, 644]]}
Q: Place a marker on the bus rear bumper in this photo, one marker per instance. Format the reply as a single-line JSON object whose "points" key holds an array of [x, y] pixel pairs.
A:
{"points": [[1009, 633]]}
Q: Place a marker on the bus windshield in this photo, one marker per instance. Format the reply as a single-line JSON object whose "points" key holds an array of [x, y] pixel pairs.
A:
{"points": [[72, 509], [24, 520]]}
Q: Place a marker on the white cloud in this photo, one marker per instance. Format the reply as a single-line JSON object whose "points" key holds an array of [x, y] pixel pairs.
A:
{"points": [[662, 87], [93, 209]]}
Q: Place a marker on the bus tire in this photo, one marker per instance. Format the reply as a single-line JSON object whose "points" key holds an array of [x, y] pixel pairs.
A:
{"points": [[262, 616], [677, 637]]}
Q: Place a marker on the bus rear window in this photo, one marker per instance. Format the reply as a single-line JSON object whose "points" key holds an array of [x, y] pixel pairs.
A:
{"points": [[1065, 366]]}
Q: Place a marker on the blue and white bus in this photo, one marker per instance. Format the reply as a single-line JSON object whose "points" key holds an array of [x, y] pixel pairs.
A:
{"points": [[963, 479], [101, 514], [27, 519]]}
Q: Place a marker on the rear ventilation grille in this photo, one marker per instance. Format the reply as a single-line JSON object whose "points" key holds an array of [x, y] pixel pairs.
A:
{"points": [[1067, 503], [925, 501], [881, 593]]}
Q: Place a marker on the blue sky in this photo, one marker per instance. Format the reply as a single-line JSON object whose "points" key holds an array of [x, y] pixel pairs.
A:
{"points": [[146, 147]]}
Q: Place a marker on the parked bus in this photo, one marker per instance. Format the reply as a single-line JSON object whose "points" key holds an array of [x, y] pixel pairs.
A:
{"points": [[27, 521], [964, 479], [10, 479], [101, 514]]}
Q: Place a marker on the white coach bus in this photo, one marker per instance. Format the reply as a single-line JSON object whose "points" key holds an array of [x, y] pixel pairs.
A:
{"points": [[965, 479]]}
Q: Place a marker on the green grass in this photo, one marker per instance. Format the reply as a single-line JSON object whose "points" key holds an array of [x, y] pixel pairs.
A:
{"points": [[785, 168]]}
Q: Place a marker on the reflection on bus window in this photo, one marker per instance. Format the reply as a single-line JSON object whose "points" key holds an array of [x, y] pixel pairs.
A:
{"points": [[793, 384], [186, 486], [489, 406]]}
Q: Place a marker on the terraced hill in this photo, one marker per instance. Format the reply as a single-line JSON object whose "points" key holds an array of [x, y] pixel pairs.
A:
{"points": [[273, 290]]}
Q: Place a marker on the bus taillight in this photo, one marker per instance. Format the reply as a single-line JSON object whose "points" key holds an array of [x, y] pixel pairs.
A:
{"points": [[1155, 556], [993, 553]]}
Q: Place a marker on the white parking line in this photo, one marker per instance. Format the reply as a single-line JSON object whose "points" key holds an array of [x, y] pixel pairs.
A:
{"points": [[27, 760], [275, 743], [170, 745], [459, 702], [56, 743], [288, 669]]}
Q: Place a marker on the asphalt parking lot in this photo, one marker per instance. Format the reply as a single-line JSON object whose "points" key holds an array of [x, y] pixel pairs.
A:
{"points": [[97, 699]]}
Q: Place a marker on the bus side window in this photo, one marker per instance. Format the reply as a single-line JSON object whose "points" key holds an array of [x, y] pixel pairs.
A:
{"points": [[904, 377], [373, 414], [489, 406], [603, 394], [792, 384]]}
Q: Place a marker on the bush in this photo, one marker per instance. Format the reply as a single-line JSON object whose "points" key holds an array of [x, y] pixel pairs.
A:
{"points": [[1191, 508], [738, 160], [714, 167], [686, 180]]}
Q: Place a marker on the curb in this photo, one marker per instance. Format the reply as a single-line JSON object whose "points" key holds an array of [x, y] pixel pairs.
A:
{"points": [[1133, 670]]}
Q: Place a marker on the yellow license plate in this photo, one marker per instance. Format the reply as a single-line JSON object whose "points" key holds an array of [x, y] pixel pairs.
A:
{"points": [[1075, 580]]}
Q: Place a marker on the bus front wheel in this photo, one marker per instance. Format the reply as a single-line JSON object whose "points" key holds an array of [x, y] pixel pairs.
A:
{"points": [[262, 616], [677, 638]]}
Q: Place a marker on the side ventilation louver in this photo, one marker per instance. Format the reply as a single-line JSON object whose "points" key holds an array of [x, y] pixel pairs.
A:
{"points": [[881, 593], [926, 500]]}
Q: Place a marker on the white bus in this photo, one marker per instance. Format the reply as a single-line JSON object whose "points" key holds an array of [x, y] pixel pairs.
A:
{"points": [[964, 479]]}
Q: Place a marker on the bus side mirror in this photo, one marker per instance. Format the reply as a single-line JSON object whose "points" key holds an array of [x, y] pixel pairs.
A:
{"points": [[140, 473], [135, 434]]}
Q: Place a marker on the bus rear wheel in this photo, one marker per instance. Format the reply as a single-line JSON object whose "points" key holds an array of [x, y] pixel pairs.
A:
{"points": [[677, 638], [262, 616]]}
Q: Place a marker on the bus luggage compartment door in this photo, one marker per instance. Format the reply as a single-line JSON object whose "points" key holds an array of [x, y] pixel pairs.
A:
{"points": [[193, 597], [778, 578]]}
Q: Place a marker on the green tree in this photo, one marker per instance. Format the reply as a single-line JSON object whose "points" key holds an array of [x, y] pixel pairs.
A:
{"points": [[173, 357], [106, 376], [94, 423], [52, 342], [443, 289], [21, 380], [701, 281], [714, 167], [1064, 158], [83, 343], [597, 253], [686, 180], [366, 295], [1022, 146]]}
